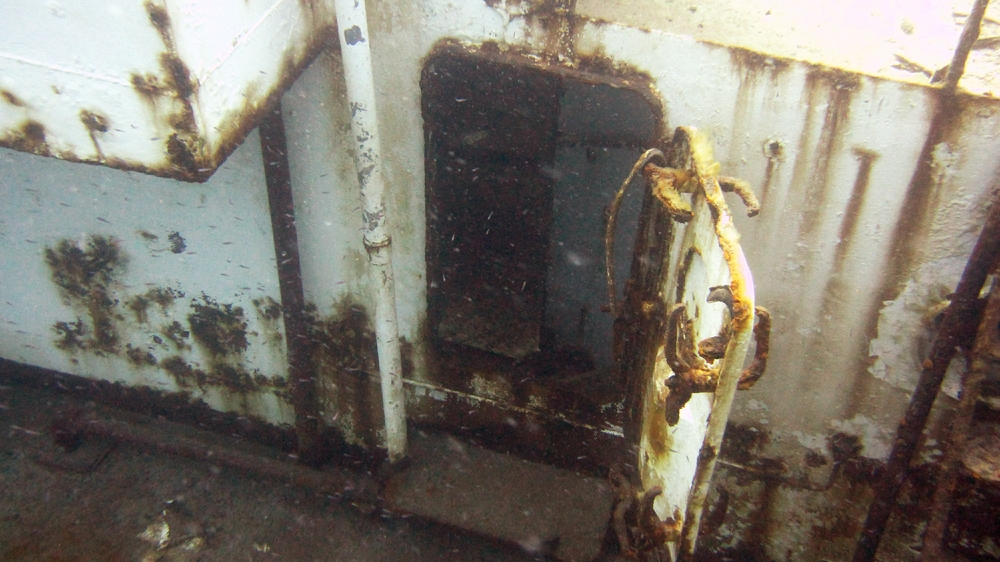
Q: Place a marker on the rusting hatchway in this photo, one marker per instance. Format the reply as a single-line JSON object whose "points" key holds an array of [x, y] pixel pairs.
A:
{"points": [[522, 403]]}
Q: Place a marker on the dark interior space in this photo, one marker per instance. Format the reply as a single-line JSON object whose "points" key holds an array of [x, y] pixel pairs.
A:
{"points": [[521, 165], [490, 128], [522, 162]]}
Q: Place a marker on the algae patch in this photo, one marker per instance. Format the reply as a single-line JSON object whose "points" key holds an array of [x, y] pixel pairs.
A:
{"points": [[86, 274]]}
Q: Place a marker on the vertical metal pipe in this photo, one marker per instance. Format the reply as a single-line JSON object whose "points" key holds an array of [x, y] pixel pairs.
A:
{"points": [[352, 27]]}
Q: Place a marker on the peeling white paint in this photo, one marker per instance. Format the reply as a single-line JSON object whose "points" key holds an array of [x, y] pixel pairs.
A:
{"points": [[906, 327], [875, 437], [813, 441]]}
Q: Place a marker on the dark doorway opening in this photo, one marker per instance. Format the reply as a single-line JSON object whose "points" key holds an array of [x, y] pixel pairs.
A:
{"points": [[522, 162], [491, 128]]}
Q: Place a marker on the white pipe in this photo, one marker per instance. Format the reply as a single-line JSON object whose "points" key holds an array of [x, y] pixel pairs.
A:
{"points": [[352, 28]]}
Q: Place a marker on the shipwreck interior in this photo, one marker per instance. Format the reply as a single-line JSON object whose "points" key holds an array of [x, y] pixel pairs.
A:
{"points": [[506, 280]]}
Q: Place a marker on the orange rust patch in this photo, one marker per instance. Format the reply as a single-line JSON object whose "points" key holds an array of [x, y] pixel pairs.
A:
{"points": [[29, 137]]}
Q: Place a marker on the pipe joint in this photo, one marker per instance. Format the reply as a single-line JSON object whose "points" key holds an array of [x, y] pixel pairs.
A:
{"points": [[374, 246]]}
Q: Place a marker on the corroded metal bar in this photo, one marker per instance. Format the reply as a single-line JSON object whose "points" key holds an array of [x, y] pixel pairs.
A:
{"points": [[970, 33], [163, 437], [972, 380], [762, 337], [274, 147], [961, 316], [612, 228]]}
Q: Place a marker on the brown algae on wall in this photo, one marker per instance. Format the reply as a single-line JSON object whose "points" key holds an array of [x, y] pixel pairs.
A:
{"points": [[110, 322], [268, 308], [344, 356], [344, 340], [220, 328], [176, 333], [139, 356], [270, 314], [86, 276], [162, 296]]}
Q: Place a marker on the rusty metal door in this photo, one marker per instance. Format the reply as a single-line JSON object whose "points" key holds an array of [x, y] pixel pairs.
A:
{"points": [[682, 334]]}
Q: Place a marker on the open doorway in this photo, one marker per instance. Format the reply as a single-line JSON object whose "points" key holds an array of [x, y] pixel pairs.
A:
{"points": [[522, 162]]}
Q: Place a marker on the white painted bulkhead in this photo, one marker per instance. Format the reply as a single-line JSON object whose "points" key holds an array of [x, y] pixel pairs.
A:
{"points": [[199, 243]]}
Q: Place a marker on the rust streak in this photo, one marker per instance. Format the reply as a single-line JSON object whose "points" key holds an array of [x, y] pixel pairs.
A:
{"points": [[837, 286], [180, 76], [161, 21], [12, 99], [803, 158], [866, 158], [914, 216], [29, 137], [95, 124], [750, 66], [772, 164], [774, 151], [840, 89]]}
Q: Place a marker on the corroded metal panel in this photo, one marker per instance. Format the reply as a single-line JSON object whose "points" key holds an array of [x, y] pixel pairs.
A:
{"points": [[831, 154], [169, 88], [905, 42]]}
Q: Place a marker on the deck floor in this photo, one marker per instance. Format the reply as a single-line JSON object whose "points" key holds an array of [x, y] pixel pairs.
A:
{"points": [[118, 503]]}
